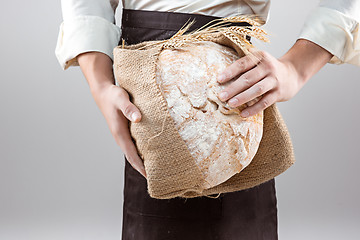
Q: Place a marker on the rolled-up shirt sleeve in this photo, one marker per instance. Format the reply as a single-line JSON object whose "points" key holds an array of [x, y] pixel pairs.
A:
{"points": [[334, 25], [88, 25]]}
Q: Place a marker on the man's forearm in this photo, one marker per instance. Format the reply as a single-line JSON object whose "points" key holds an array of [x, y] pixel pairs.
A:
{"points": [[97, 68], [307, 58]]}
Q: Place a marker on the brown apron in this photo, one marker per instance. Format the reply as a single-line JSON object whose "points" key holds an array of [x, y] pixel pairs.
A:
{"points": [[249, 214]]}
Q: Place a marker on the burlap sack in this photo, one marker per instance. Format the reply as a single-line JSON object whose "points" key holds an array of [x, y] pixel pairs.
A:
{"points": [[171, 170]]}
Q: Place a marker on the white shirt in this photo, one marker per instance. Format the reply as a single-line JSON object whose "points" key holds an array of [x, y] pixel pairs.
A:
{"points": [[89, 25]]}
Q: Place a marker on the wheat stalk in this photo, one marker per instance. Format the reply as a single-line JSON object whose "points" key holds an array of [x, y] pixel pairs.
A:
{"points": [[251, 19], [239, 41], [255, 32], [184, 28], [237, 34]]}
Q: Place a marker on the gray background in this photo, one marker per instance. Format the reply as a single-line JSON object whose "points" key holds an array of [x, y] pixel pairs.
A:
{"points": [[61, 172]]}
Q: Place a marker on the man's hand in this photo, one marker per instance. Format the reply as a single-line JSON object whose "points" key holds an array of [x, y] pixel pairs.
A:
{"points": [[113, 102], [276, 80]]}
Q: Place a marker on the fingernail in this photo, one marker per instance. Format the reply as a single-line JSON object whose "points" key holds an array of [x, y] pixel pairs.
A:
{"points": [[233, 101], [244, 114], [221, 77], [135, 116], [223, 95]]}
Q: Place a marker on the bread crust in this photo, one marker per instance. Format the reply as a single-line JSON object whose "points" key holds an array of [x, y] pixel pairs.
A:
{"points": [[219, 139]]}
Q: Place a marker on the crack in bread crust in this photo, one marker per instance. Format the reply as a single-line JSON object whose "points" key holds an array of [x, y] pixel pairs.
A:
{"points": [[220, 140]]}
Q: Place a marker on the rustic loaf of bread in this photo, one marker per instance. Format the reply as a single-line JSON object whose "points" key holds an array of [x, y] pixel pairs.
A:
{"points": [[219, 139]]}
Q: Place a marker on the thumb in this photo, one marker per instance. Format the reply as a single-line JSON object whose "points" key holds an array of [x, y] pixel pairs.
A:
{"points": [[130, 111]]}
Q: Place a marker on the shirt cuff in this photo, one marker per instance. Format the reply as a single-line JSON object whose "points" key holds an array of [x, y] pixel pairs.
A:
{"points": [[335, 32], [84, 34]]}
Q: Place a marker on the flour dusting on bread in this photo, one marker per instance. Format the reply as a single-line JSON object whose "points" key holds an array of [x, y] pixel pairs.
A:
{"points": [[219, 139]]}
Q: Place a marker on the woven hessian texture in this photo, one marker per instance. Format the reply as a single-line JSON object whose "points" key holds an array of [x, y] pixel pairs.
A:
{"points": [[170, 168]]}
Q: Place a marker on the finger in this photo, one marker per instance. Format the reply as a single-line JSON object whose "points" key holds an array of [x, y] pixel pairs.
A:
{"points": [[267, 100], [130, 111], [121, 131], [256, 90], [134, 159], [123, 138], [244, 82], [239, 66]]}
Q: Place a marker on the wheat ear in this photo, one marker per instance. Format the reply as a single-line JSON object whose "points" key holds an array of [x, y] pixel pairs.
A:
{"points": [[237, 34]]}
